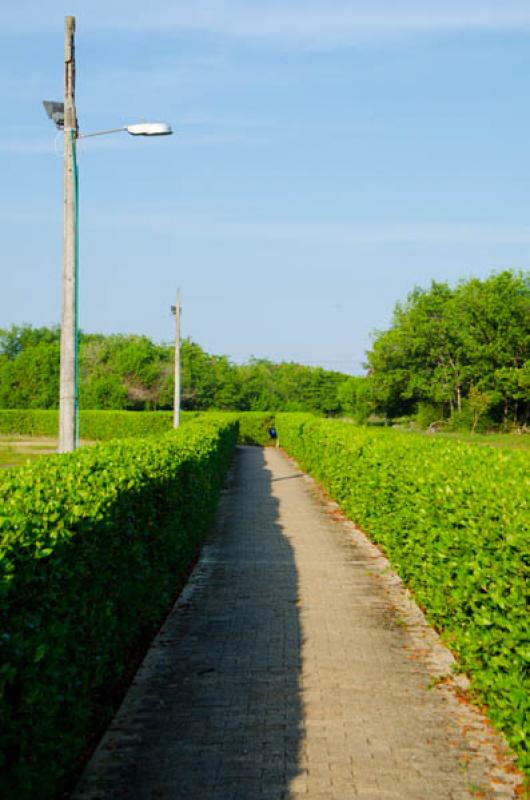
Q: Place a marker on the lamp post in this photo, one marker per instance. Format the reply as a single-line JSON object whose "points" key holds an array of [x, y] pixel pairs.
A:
{"points": [[65, 118]]}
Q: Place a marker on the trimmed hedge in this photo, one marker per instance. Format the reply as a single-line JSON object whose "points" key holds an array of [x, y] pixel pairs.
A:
{"points": [[29, 422], [454, 520], [254, 426], [92, 546], [106, 425], [93, 425]]}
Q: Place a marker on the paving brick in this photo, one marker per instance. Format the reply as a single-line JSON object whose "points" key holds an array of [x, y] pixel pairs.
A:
{"points": [[282, 673]]}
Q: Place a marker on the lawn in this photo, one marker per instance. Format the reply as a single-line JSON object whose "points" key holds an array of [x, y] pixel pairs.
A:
{"points": [[17, 451], [515, 441]]}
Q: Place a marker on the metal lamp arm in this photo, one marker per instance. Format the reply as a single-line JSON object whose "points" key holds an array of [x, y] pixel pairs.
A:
{"points": [[101, 133]]}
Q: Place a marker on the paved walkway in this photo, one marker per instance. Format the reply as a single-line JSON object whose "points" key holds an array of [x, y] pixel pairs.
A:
{"points": [[291, 667]]}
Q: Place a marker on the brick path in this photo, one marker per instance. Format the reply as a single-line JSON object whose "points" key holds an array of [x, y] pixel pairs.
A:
{"points": [[285, 671]]}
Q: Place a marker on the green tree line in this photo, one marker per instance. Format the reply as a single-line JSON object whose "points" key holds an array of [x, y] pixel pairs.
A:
{"points": [[460, 354], [132, 372]]}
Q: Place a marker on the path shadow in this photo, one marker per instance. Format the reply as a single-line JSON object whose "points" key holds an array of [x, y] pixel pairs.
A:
{"points": [[215, 712]]}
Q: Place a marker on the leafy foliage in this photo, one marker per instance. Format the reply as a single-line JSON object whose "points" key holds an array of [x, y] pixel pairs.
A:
{"points": [[92, 545], [254, 426], [94, 425], [106, 425], [464, 351], [454, 520], [26, 422], [132, 373], [355, 396]]}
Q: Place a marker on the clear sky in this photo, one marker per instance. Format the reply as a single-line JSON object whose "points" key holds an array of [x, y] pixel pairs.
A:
{"points": [[328, 155]]}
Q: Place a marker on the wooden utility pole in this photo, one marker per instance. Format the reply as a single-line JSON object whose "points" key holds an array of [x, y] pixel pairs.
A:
{"points": [[176, 402], [68, 376]]}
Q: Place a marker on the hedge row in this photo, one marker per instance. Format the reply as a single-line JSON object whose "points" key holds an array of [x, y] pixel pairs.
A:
{"points": [[92, 546], [105, 425], [454, 520], [254, 427], [93, 425], [29, 422]]}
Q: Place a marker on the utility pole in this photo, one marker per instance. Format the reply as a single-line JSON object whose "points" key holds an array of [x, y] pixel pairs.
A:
{"points": [[68, 375], [176, 403], [64, 116]]}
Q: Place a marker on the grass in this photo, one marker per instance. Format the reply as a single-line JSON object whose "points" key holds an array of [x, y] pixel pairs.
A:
{"points": [[10, 457], [515, 441], [16, 451]]}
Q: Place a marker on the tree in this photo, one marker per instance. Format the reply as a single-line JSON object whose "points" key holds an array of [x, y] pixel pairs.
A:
{"points": [[132, 372], [355, 396], [443, 341]]}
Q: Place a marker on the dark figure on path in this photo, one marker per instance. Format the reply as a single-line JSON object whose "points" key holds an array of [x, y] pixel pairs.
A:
{"points": [[272, 433]]}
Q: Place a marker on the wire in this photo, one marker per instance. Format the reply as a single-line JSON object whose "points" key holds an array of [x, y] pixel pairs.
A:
{"points": [[59, 138], [76, 211]]}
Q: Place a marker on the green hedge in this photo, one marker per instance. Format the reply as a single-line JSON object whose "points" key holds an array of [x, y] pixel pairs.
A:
{"points": [[29, 422], [454, 520], [106, 425], [254, 426], [92, 546], [93, 425]]}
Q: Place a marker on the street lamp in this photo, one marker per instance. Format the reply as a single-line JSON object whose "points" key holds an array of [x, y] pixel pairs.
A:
{"points": [[65, 118], [138, 129]]}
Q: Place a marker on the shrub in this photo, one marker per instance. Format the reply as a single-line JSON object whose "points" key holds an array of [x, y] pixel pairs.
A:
{"points": [[254, 426], [29, 422], [107, 425], [94, 425], [427, 414], [454, 520], [92, 545]]}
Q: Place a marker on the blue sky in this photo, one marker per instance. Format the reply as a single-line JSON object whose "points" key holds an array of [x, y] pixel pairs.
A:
{"points": [[327, 157]]}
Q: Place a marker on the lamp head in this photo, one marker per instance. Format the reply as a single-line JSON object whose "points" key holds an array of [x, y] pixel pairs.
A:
{"points": [[149, 129]]}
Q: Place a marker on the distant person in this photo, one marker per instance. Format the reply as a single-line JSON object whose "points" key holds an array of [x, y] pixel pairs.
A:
{"points": [[272, 433]]}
